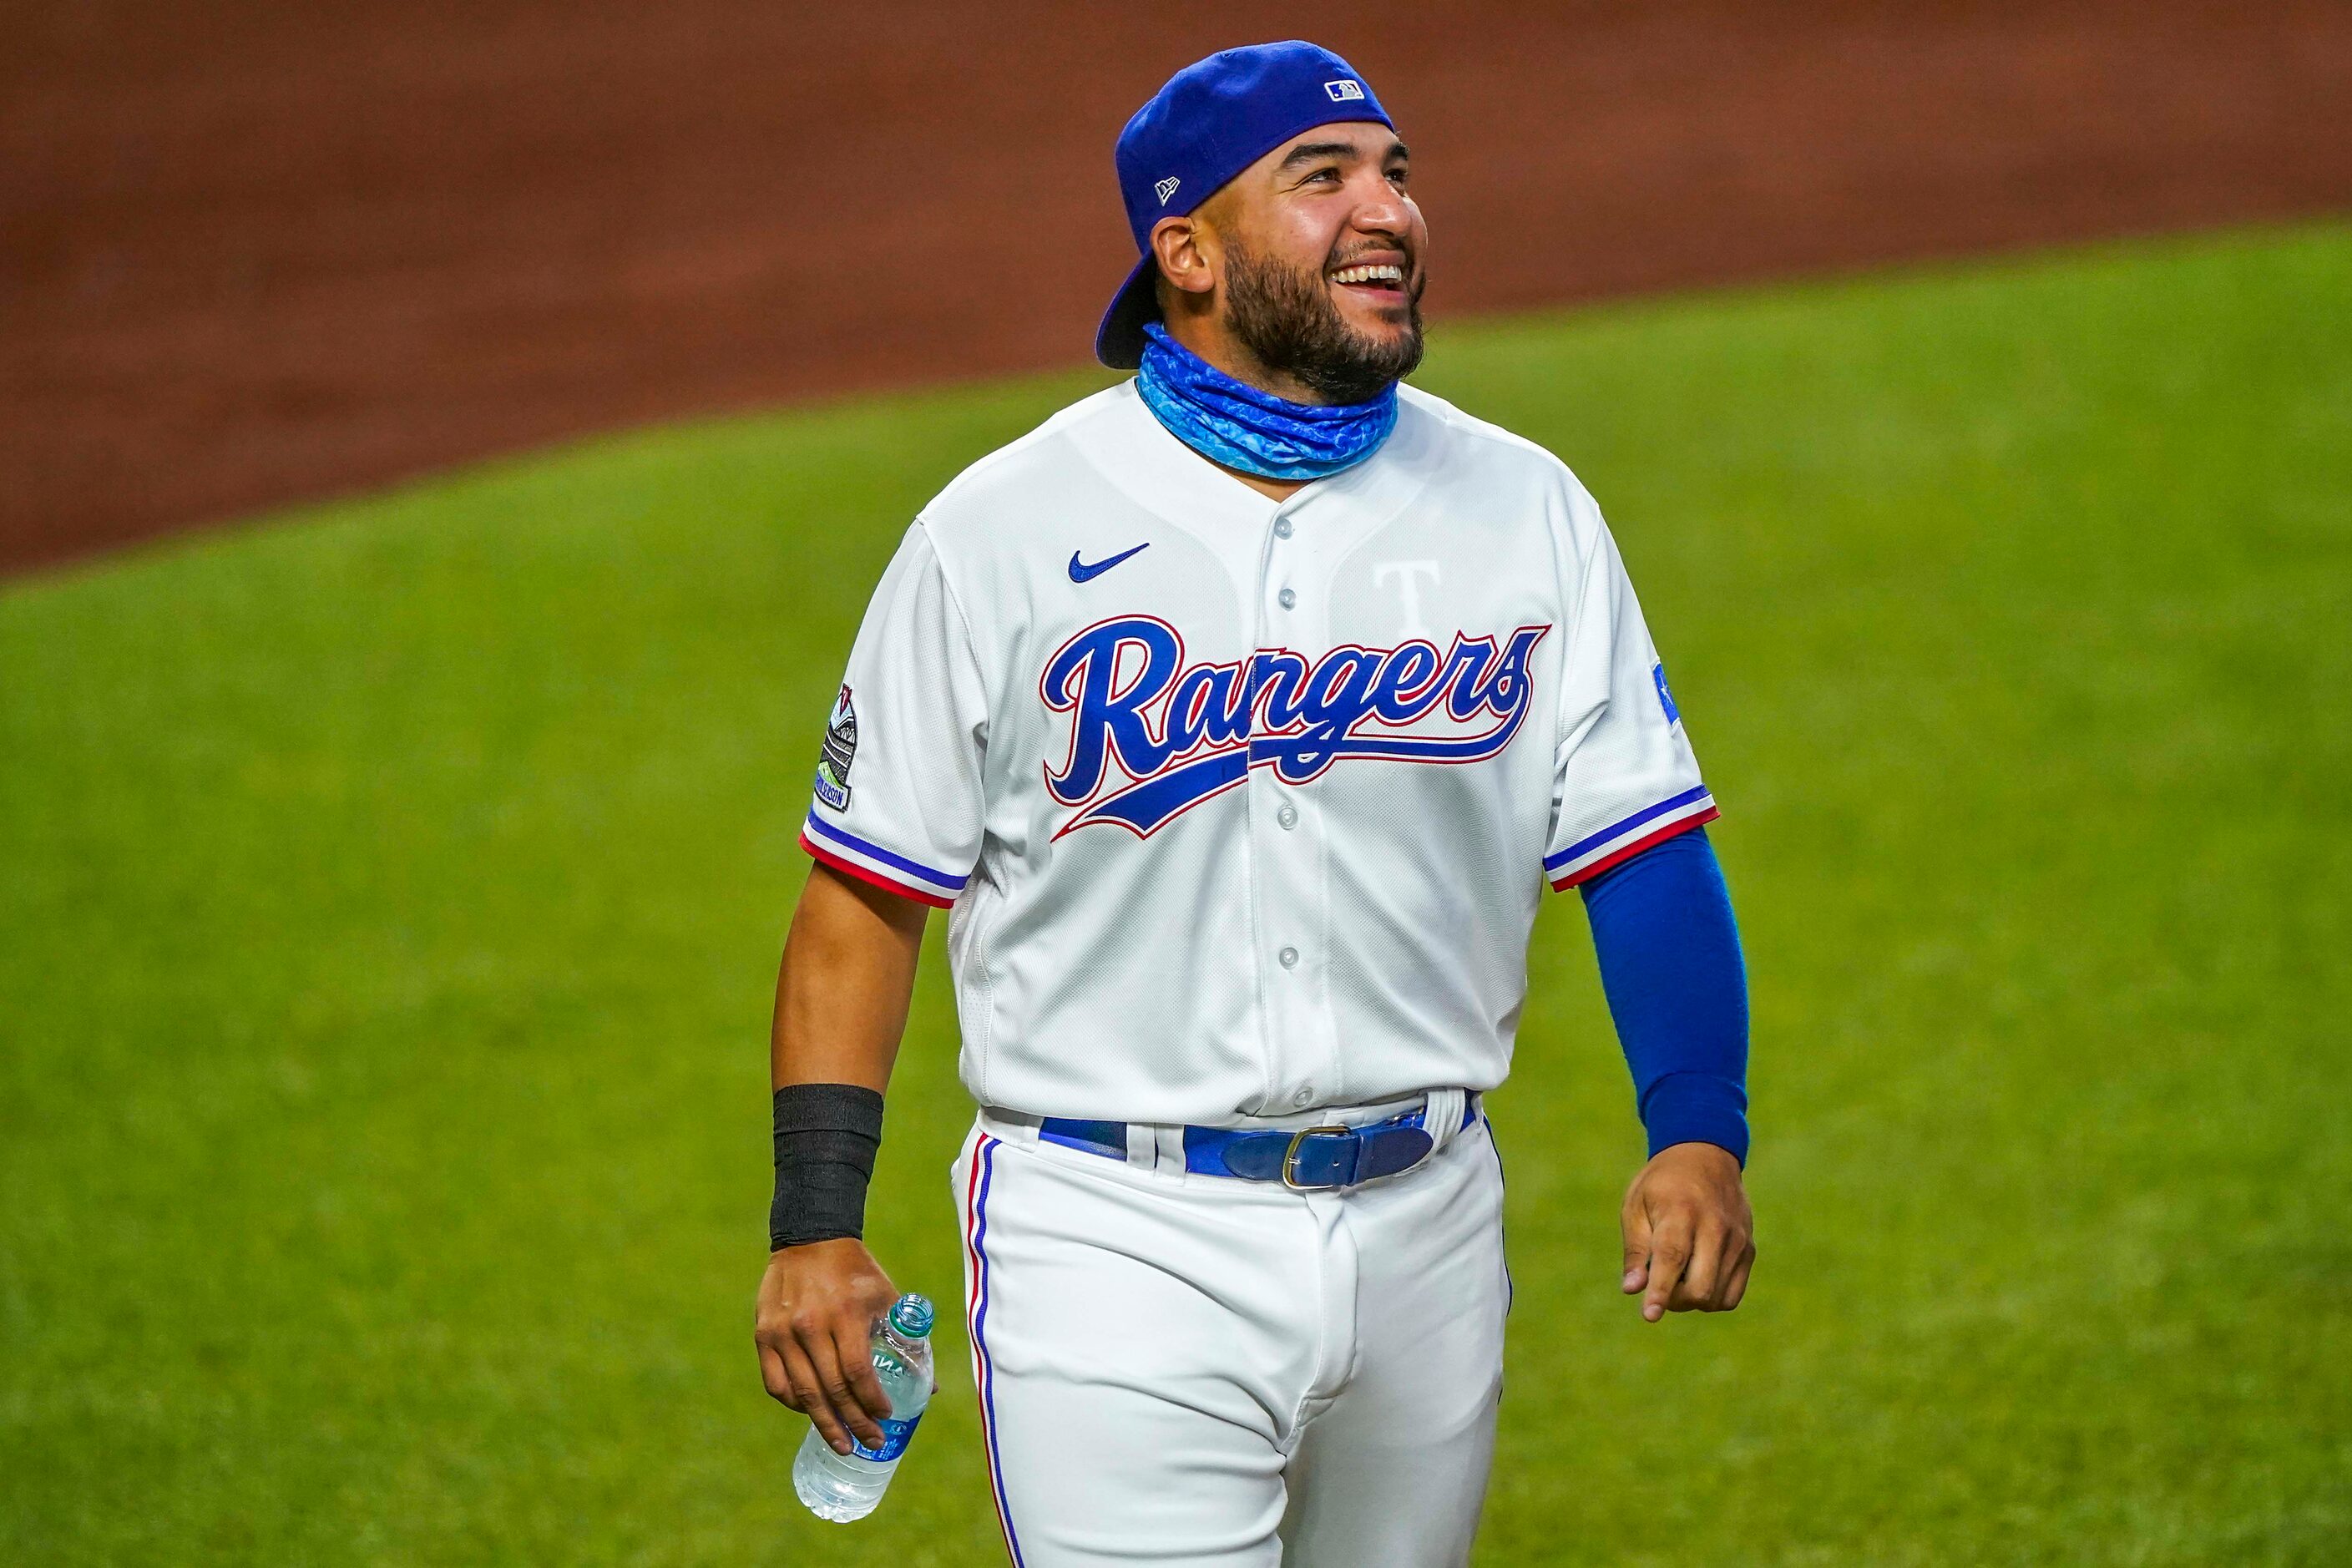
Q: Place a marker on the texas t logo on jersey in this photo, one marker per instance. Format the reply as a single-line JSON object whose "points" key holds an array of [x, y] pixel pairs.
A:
{"points": [[1152, 736], [840, 750]]}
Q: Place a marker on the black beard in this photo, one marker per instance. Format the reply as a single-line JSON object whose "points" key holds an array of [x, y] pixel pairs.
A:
{"points": [[1285, 317]]}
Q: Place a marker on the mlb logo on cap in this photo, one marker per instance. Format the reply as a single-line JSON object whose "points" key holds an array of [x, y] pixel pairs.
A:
{"points": [[1212, 120]]}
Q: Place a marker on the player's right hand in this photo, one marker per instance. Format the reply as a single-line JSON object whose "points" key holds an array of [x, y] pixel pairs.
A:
{"points": [[813, 1326]]}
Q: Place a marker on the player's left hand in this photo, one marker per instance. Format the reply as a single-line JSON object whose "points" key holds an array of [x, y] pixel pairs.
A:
{"points": [[1689, 1238]]}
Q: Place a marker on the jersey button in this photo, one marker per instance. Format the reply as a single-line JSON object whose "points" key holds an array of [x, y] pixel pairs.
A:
{"points": [[1287, 598], [1306, 1092], [1288, 815], [1287, 957], [1282, 528]]}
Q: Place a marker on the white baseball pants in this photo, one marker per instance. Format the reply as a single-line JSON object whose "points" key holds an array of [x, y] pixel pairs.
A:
{"points": [[1181, 1369]]}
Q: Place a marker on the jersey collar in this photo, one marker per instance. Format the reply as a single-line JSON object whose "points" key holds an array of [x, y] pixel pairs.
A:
{"points": [[1158, 470]]}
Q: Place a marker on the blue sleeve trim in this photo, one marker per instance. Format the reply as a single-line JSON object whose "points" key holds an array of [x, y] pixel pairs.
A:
{"points": [[824, 829], [1618, 829], [1677, 989]]}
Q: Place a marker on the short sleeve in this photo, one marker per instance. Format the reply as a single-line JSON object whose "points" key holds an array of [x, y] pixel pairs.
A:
{"points": [[1624, 776], [898, 779]]}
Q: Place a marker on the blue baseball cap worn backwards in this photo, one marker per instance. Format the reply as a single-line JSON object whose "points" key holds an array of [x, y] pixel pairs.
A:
{"points": [[1212, 120]]}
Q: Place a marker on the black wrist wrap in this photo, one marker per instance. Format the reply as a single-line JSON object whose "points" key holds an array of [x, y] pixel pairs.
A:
{"points": [[826, 1135]]}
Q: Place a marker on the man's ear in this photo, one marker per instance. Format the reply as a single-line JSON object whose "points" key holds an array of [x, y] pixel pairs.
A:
{"points": [[1185, 249]]}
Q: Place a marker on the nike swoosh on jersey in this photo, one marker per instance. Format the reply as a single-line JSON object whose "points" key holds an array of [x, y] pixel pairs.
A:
{"points": [[1082, 573]]}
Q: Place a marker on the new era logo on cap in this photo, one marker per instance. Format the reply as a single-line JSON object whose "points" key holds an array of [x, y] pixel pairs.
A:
{"points": [[1343, 91], [1166, 188]]}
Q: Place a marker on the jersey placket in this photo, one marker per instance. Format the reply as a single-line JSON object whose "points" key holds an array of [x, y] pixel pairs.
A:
{"points": [[1289, 838]]}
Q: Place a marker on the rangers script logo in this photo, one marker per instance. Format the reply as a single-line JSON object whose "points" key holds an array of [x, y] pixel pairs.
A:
{"points": [[1151, 736]]}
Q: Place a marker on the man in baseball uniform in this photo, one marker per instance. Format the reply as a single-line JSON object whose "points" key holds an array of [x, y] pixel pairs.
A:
{"points": [[1239, 716]]}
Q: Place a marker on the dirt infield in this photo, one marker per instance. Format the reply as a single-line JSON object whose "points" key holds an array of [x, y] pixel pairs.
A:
{"points": [[252, 252]]}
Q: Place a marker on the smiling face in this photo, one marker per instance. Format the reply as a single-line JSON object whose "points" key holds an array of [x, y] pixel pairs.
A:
{"points": [[1304, 274]]}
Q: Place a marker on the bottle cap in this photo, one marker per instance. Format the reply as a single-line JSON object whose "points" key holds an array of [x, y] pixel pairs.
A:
{"points": [[912, 1316]]}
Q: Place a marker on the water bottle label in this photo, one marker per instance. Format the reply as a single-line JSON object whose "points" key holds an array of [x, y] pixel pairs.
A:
{"points": [[896, 1435]]}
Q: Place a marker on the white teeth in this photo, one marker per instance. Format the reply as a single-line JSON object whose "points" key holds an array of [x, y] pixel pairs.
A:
{"points": [[1384, 272]]}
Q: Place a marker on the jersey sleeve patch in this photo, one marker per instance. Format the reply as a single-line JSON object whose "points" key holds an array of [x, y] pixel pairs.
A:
{"points": [[840, 750], [1628, 837], [869, 862], [1657, 678]]}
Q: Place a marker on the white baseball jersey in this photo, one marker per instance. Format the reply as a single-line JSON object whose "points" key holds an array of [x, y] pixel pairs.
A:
{"points": [[1241, 807]]}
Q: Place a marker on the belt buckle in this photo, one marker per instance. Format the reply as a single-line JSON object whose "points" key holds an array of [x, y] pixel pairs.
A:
{"points": [[1290, 1157]]}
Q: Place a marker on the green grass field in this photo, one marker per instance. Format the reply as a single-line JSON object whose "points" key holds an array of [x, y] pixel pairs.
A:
{"points": [[390, 896]]}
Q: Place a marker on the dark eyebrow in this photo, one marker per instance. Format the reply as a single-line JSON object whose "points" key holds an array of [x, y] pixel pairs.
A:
{"points": [[1308, 151]]}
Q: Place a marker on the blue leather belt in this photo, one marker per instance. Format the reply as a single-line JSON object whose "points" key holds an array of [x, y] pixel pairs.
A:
{"points": [[1312, 1159]]}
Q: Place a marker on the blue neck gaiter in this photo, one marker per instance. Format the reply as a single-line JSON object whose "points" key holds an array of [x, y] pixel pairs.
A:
{"points": [[1256, 432]]}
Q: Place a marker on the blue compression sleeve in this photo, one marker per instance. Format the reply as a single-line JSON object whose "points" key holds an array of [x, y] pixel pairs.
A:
{"points": [[1670, 964]]}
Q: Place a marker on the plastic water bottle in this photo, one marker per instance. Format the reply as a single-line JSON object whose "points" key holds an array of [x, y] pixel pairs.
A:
{"points": [[844, 1487]]}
